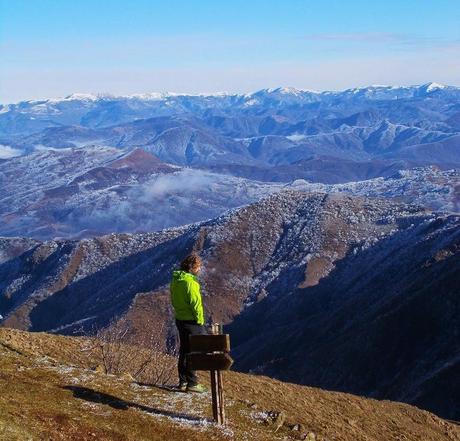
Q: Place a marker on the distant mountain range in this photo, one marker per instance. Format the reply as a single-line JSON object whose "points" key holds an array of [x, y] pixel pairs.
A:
{"points": [[271, 128]]}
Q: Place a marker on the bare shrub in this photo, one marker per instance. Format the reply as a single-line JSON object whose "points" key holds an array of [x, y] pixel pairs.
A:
{"points": [[120, 352]]}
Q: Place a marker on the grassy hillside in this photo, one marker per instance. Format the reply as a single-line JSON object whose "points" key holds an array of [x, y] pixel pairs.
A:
{"points": [[50, 390]]}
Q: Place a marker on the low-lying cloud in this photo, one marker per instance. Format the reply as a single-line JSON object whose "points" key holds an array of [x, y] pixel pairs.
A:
{"points": [[166, 201], [7, 152], [186, 181]]}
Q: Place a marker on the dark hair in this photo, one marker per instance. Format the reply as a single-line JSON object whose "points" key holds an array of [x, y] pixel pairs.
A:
{"points": [[190, 262]]}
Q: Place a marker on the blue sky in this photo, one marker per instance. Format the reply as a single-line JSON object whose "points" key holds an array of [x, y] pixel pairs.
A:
{"points": [[52, 48]]}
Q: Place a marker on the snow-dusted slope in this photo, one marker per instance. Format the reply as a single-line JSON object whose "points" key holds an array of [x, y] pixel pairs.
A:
{"points": [[91, 191], [336, 277], [429, 186]]}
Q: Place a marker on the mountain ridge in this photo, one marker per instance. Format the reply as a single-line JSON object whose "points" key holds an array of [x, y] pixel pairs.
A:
{"points": [[283, 255], [271, 128], [426, 87]]}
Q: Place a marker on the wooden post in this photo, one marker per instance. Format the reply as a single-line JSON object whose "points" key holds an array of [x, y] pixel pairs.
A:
{"points": [[216, 403], [217, 386], [220, 389]]}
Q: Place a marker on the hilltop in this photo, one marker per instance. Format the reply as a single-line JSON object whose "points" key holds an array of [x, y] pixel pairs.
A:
{"points": [[49, 391]]}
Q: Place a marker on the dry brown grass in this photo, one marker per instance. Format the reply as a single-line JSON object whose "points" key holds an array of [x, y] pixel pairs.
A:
{"points": [[49, 392]]}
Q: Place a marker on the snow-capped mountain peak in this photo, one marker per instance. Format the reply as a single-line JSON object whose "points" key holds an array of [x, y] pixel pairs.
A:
{"points": [[82, 97], [285, 90], [430, 87]]}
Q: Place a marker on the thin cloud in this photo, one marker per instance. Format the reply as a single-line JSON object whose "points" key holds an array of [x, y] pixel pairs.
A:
{"points": [[364, 37], [396, 39]]}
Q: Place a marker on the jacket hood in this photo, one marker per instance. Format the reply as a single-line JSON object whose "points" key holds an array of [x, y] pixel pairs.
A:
{"points": [[183, 275]]}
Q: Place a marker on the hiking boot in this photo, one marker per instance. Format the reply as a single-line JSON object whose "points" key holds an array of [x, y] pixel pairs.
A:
{"points": [[182, 386], [197, 388]]}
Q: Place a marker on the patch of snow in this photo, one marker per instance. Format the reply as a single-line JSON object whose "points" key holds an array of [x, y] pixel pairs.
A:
{"points": [[45, 148], [68, 325], [251, 102], [201, 424], [435, 86], [96, 408], [82, 97], [296, 137]]}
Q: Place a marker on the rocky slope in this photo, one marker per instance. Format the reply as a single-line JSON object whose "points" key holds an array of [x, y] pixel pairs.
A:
{"points": [[50, 391], [246, 244], [375, 326], [362, 287]]}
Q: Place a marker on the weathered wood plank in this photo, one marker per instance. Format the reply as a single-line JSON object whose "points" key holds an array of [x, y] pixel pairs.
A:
{"points": [[210, 343], [209, 362], [220, 392], [215, 397]]}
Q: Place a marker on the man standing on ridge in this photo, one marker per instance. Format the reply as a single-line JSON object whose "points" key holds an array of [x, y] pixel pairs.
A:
{"points": [[188, 310]]}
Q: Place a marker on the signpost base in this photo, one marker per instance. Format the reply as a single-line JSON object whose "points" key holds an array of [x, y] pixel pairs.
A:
{"points": [[211, 353], [217, 392]]}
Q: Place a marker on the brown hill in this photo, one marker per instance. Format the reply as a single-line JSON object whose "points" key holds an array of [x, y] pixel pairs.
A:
{"points": [[49, 391]]}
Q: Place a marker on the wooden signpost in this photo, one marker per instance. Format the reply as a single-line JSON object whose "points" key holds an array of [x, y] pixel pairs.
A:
{"points": [[210, 353]]}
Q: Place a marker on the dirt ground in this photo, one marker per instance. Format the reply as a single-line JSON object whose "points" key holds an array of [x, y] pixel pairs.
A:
{"points": [[51, 391]]}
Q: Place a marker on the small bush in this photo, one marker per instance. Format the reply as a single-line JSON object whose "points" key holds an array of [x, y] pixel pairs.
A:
{"points": [[118, 352]]}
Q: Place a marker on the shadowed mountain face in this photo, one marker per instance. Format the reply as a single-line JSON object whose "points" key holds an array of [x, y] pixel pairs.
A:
{"points": [[384, 323], [345, 293]]}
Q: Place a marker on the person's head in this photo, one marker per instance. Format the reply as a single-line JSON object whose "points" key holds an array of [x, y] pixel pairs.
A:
{"points": [[191, 264]]}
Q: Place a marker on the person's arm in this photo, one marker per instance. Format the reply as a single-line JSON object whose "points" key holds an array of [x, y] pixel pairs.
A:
{"points": [[196, 302]]}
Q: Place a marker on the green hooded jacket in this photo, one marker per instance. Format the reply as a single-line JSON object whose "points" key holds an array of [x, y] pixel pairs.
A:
{"points": [[186, 297]]}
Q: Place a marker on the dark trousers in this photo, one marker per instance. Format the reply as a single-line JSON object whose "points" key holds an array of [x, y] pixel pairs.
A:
{"points": [[186, 328]]}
